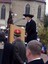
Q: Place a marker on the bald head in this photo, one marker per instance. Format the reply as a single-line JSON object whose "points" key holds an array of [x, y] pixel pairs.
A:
{"points": [[35, 47]]}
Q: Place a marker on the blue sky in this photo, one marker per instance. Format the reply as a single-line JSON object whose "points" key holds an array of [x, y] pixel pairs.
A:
{"points": [[46, 6]]}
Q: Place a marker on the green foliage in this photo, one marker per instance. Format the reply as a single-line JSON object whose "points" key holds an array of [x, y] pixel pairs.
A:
{"points": [[43, 31], [46, 21], [44, 36]]}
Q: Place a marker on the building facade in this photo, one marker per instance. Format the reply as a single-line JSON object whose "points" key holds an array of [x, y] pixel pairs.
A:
{"points": [[4, 12], [20, 7], [35, 7]]}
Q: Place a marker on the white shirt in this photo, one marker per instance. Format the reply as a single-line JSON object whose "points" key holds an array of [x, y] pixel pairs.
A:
{"points": [[29, 20], [36, 59]]}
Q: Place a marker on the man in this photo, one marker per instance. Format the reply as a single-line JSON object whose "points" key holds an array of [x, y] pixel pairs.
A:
{"points": [[33, 52], [19, 45], [30, 28], [7, 52]]}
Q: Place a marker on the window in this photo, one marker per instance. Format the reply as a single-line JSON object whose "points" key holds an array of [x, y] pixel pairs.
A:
{"points": [[39, 12], [3, 11], [27, 9]]}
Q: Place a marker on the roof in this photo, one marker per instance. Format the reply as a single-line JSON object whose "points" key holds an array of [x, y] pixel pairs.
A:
{"points": [[9, 1], [41, 1], [5, 1]]}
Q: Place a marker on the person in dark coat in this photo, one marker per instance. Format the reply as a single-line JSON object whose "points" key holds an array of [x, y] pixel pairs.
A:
{"points": [[33, 52], [19, 45], [9, 56], [7, 52], [6, 49], [30, 28]]}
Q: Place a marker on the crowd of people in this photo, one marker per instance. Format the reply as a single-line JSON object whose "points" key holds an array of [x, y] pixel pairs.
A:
{"points": [[17, 52]]}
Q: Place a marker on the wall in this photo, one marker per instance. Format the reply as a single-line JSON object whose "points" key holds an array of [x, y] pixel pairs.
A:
{"points": [[18, 7], [4, 22]]}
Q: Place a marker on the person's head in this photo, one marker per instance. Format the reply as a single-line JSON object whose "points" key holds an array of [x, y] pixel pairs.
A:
{"points": [[17, 34], [33, 49], [28, 16], [2, 37]]}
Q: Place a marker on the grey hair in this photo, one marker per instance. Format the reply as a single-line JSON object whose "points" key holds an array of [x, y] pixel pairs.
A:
{"points": [[35, 47]]}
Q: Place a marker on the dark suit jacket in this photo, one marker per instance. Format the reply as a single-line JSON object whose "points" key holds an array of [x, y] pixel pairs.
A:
{"points": [[31, 31], [20, 49], [46, 62], [7, 54], [39, 61]]}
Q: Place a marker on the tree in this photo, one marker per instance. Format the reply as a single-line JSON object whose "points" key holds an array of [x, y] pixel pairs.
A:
{"points": [[46, 21], [43, 31], [44, 36]]}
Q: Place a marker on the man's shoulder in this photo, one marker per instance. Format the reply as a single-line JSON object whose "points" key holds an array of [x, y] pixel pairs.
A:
{"points": [[40, 61], [8, 46], [33, 21]]}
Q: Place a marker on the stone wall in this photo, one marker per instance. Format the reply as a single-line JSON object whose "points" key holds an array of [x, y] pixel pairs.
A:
{"points": [[18, 7], [4, 21]]}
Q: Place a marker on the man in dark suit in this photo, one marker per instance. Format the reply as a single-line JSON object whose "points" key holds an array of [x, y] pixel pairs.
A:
{"points": [[19, 45], [30, 28], [7, 54], [33, 52], [6, 50], [7, 57]]}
